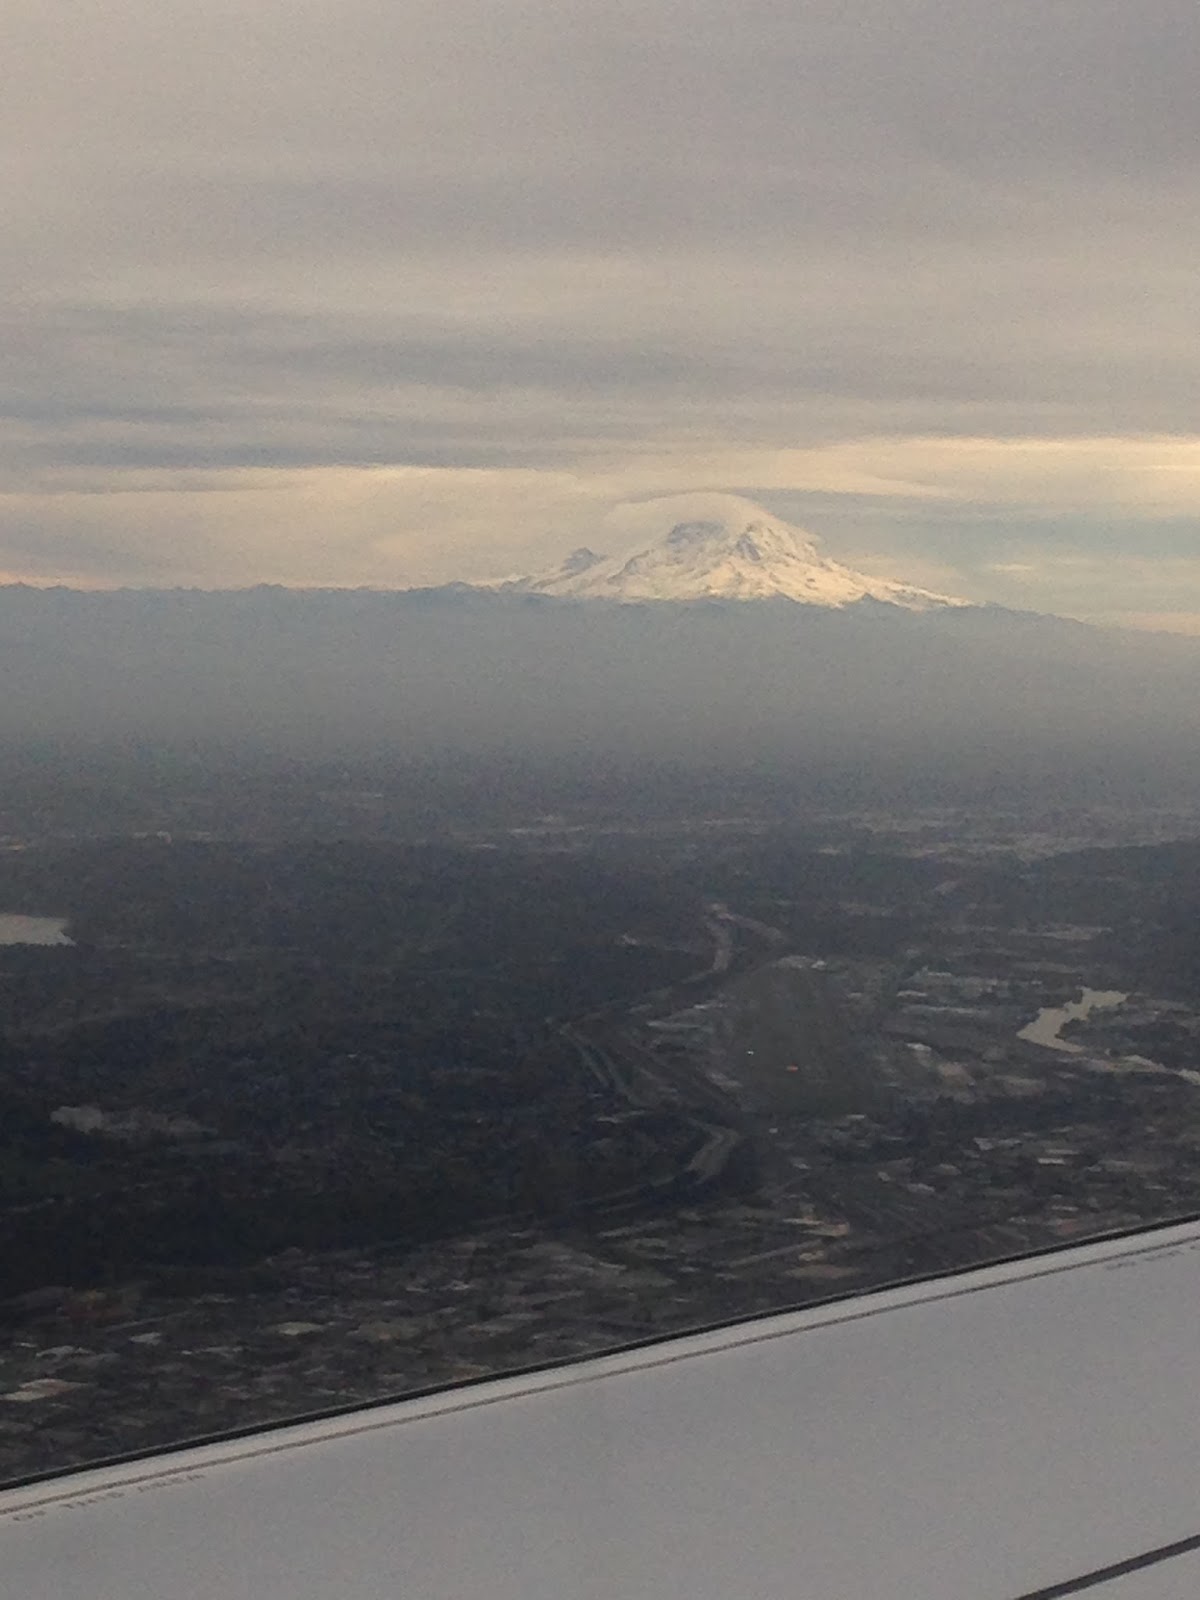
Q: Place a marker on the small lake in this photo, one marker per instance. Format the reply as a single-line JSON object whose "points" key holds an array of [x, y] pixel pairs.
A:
{"points": [[1046, 1028], [32, 930]]}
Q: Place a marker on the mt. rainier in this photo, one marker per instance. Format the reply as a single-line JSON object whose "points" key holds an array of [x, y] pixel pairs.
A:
{"points": [[732, 550], [654, 664]]}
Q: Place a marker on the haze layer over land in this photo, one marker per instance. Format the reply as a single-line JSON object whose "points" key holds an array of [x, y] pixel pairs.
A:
{"points": [[729, 646]]}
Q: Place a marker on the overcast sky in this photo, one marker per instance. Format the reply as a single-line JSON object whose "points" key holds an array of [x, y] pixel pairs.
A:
{"points": [[394, 291]]}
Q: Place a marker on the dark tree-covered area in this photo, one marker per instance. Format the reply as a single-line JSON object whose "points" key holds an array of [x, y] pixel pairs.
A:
{"points": [[249, 1048]]}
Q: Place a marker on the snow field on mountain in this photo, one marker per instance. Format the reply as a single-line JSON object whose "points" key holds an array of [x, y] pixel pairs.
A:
{"points": [[736, 551]]}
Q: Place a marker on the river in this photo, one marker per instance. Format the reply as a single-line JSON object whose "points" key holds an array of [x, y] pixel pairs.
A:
{"points": [[32, 930], [1046, 1028]]}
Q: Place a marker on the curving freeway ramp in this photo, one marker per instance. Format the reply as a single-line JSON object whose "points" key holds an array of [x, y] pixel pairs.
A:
{"points": [[1020, 1432]]}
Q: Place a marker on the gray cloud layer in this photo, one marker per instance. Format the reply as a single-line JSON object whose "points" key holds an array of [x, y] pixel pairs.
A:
{"points": [[494, 234]]}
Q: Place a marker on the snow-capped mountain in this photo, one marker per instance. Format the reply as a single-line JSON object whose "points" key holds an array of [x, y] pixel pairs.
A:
{"points": [[734, 551]]}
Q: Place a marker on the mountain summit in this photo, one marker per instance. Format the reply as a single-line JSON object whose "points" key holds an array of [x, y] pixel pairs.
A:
{"points": [[735, 550]]}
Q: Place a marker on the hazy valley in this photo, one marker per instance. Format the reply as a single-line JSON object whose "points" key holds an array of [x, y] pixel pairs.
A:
{"points": [[810, 681]]}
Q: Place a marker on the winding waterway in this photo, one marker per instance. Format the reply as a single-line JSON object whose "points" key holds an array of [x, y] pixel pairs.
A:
{"points": [[1046, 1028]]}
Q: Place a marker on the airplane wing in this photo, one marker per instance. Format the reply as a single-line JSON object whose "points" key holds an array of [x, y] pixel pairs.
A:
{"points": [[1018, 1432]]}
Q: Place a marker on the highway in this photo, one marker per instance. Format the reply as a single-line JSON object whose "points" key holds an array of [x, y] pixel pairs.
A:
{"points": [[616, 1047]]}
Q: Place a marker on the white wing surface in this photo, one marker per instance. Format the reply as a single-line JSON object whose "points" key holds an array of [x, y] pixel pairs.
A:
{"points": [[1028, 1430]]}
